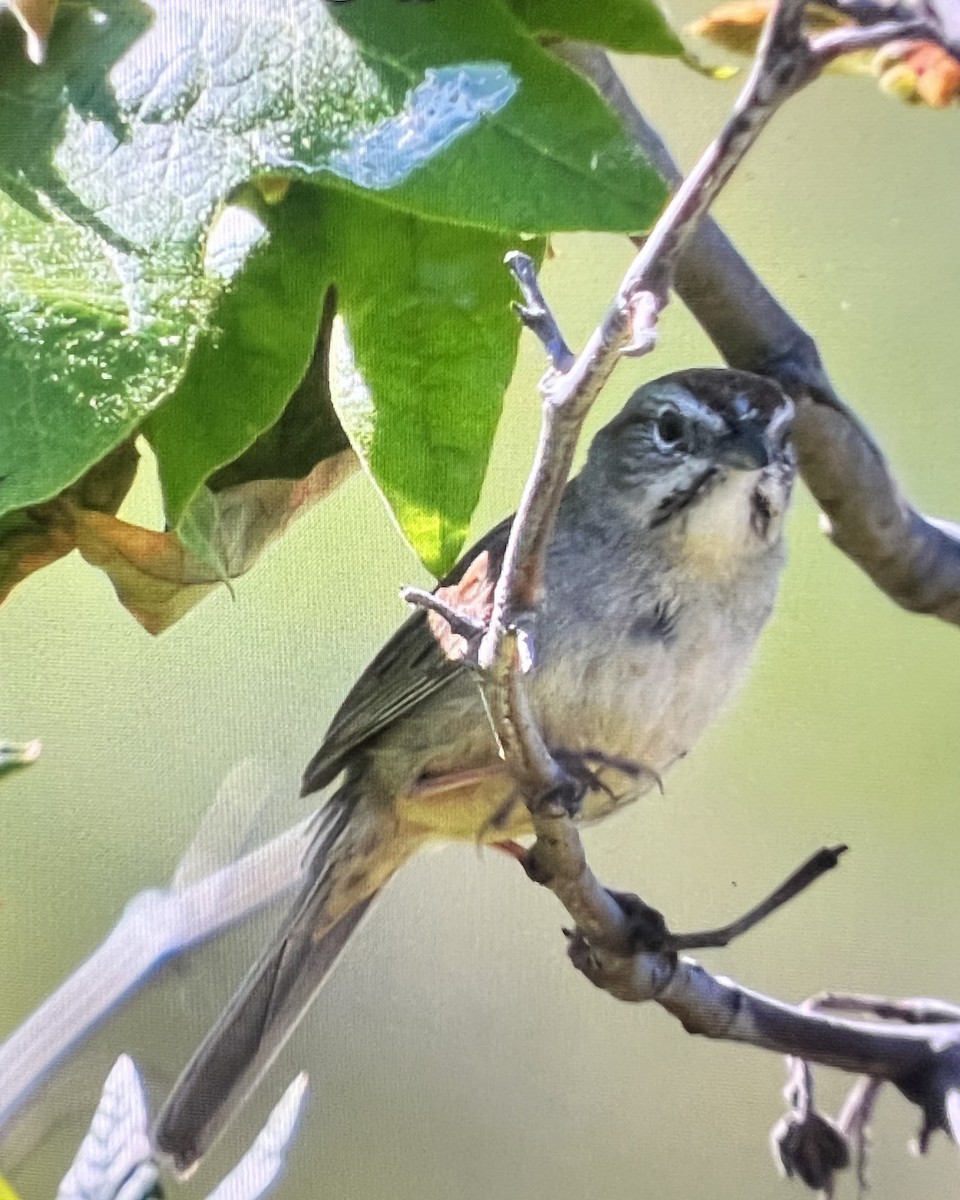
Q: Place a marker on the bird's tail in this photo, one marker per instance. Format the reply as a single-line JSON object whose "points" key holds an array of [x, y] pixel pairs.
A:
{"points": [[354, 854]]}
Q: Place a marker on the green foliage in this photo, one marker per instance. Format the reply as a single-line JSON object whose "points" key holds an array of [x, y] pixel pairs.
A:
{"points": [[422, 422], [633, 26], [146, 286]]}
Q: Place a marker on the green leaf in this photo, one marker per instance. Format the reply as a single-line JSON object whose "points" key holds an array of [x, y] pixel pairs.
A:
{"points": [[118, 303], [551, 157], [632, 26], [420, 393], [79, 369], [262, 335]]}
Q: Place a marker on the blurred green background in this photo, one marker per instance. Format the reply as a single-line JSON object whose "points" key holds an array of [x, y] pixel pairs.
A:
{"points": [[455, 1053]]}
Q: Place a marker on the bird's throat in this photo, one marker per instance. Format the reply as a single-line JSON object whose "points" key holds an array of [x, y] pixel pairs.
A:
{"points": [[740, 517]]}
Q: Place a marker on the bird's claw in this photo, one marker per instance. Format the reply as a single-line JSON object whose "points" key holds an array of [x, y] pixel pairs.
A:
{"points": [[648, 931], [582, 768]]}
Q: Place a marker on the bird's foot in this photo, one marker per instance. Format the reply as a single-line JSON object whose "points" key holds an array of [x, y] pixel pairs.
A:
{"points": [[583, 768], [647, 926]]}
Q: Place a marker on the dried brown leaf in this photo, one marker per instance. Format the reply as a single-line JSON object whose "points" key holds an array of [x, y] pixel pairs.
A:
{"points": [[736, 25], [38, 536], [158, 580], [918, 72]]}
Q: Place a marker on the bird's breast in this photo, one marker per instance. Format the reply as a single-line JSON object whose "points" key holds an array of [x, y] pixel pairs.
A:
{"points": [[644, 690]]}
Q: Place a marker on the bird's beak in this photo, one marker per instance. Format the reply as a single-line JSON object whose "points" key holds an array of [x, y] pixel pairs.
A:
{"points": [[745, 447], [753, 445]]}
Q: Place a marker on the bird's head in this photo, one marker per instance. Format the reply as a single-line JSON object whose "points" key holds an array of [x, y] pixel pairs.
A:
{"points": [[703, 453]]}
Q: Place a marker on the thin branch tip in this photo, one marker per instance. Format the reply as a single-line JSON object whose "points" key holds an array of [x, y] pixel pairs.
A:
{"points": [[535, 313], [461, 623]]}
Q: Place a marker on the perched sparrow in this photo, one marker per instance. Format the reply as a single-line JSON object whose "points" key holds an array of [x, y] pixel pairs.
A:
{"points": [[661, 573]]}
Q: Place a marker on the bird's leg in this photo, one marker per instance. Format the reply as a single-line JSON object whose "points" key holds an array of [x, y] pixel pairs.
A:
{"points": [[648, 926], [584, 766]]}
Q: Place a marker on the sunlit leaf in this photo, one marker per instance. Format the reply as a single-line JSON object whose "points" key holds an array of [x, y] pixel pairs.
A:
{"points": [[159, 274], [632, 26], [423, 424]]}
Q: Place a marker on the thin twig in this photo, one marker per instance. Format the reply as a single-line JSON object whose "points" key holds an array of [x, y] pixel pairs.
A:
{"points": [[848, 39], [824, 860], [854, 1120], [924, 1061], [535, 312], [923, 22], [912, 1011], [460, 622], [784, 64]]}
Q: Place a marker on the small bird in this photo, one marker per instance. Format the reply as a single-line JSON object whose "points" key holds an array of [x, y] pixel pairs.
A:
{"points": [[661, 572]]}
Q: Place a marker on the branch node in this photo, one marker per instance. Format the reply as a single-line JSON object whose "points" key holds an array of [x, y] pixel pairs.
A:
{"points": [[644, 309], [648, 932]]}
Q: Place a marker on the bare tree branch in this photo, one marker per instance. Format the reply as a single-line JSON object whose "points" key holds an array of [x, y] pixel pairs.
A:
{"points": [[621, 944], [915, 560], [936, 21], [624, 946], [156, 925]]}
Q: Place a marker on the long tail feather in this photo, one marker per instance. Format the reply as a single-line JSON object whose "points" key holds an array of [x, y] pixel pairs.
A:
{"points": [[276, 993]]}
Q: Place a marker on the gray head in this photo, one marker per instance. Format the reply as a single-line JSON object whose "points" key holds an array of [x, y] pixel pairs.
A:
{"points": [[704, 451]]}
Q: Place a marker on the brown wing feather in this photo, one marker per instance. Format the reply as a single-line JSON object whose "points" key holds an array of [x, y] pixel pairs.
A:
{"points": [[406, 671]]}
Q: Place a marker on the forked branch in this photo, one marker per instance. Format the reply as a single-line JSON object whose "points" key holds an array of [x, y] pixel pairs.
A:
{"points": [[914, 559], [620, 943]]}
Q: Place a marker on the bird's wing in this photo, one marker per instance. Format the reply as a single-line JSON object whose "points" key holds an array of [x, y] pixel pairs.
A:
{"points": [[407, 670]]}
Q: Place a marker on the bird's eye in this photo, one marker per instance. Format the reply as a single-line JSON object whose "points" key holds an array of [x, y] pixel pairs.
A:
{"points": [[669, 429]]}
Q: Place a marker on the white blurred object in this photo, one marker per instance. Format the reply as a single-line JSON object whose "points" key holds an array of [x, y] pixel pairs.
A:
{"points": [[115, 1161], [261, 1166], [227, 827], [156, 925]]}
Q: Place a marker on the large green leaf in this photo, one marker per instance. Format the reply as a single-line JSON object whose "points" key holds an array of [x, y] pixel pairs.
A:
{"points": [[263, 331], [551, 157], [633, 26], [422, 423], [135, 286], [80, 365]]}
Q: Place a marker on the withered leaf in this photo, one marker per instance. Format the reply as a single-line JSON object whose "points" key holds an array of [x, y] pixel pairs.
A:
{"points": [[158, 580], [35, 537], [915, 71]]}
